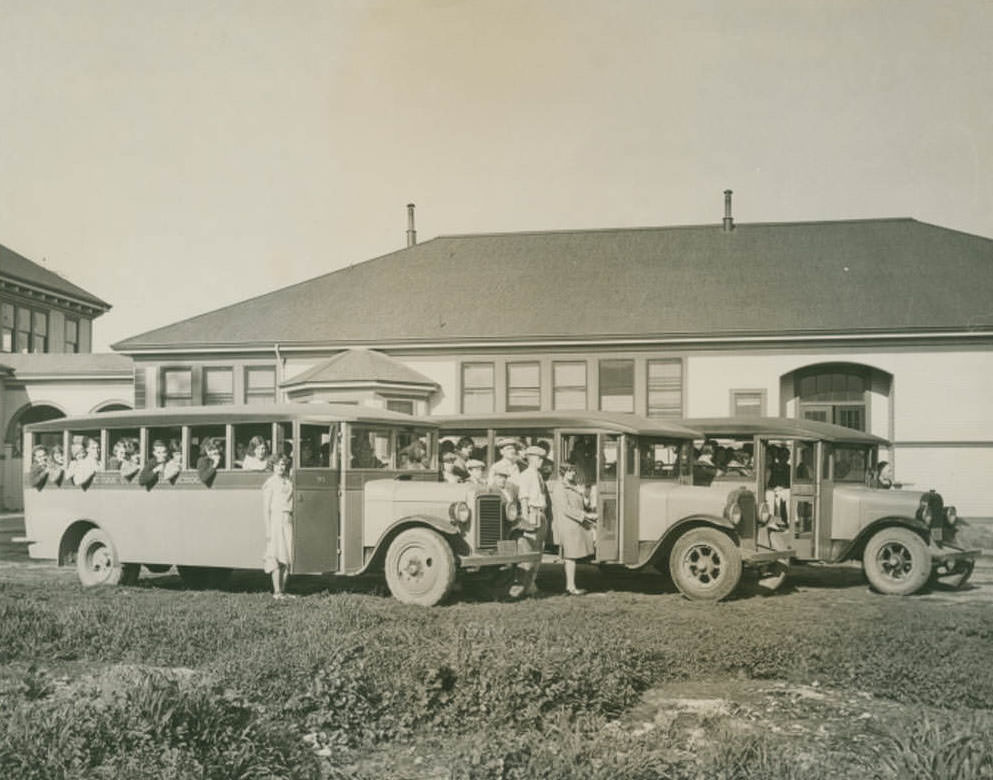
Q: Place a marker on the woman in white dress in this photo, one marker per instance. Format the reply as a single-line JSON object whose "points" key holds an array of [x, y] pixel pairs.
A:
{"points": [[277, 512]]}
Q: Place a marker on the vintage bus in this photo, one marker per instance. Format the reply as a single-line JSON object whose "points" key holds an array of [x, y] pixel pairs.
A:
{"points": [[368, 498], [640, 474], [820, 495]]}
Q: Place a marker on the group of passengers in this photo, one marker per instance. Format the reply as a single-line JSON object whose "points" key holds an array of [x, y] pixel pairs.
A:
{"points": [[714, 460]]}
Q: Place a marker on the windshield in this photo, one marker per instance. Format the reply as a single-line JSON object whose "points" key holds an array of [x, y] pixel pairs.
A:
{"points": [[852, 462]]}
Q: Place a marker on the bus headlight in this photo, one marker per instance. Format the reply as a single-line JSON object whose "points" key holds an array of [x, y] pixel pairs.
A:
{"points": [[951, 516], [735, 515], [510, 510], [460, 513], [764, 514]]}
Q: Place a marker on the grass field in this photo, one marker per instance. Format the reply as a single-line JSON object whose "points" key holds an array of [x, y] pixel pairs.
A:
{"points": [[825, 680]]}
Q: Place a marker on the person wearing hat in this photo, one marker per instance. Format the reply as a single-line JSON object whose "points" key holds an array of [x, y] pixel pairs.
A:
{"points": [[532, 494], [463, 453], [572, 523], [509, 458], [475, 470], [448, 468]]}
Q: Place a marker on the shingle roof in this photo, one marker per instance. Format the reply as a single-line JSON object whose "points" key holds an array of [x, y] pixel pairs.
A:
{"points": [[360, 365], [869, 276], [18, 267]]}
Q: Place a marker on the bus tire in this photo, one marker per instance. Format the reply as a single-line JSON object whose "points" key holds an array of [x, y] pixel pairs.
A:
{"points": [[896, 562], [705, 564], [420, 567], [204, 577], [97, 562]]}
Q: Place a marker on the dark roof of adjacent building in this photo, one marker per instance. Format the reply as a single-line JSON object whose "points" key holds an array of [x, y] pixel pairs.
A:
{"points": [[18, 268], [360, 365], [863, 276]]}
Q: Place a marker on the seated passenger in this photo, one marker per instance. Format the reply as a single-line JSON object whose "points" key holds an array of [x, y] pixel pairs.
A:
{"points": [[883, 475], [92, 446], [448, 468], [363, 456], [56, 465], [257, 457], [119, 455], [81, 468], [704, 469], [209, 461], [40, 471], [133, 464], [155, 466], [463, 449], [414, 456]]}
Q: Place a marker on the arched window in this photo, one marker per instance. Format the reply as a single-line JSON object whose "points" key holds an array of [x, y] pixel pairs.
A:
{"points": [[834, 393], [28, 414]]}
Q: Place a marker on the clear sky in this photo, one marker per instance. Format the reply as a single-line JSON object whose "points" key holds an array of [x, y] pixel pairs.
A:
{"points": [[174, 156]]}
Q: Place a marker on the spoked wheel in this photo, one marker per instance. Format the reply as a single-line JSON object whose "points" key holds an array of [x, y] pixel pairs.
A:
{"points": [[705, 564], [97, 562], [204, 577], [897, 562], [420, 567]]}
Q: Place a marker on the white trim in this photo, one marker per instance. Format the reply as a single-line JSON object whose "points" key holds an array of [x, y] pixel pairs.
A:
{"points": [[478, 344]]}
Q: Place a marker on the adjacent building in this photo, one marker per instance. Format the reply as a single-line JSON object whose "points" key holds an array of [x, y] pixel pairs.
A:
{"points": [[46, 366], [885, 325]]}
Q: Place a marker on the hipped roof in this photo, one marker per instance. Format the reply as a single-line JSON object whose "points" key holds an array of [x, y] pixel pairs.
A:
{"points": [[360, 365], [17, 267], [866, 276]]}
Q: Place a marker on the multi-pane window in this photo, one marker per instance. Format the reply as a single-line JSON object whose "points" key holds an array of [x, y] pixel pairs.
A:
{"points": [[177, 387], [218, 386], [260, 385], [23, 329], [71, 343], [617, 385], [748, 403], [569, 384], [400, 405], [665, 388], [478, 392], [523, 387], [7, 325], [834, 393]]}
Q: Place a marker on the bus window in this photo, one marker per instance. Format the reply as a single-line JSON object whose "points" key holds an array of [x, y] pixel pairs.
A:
{"points": [[467, 445], [369, 449], [172, 439], [199, 436], [851, 463], [414, 451], [608, 456], [580, 450], [85, 444], [315, 447], [803, 468], [124, 443], [660, 459], [284, 440], [252, 441]]}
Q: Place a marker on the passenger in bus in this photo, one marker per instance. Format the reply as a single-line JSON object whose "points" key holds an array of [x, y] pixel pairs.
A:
{"points": [[704, 470], [257, 457], [414, 456], [509, 458], [475, 469], [463, 451], [154, 468], [533, 497], [209, 461], [277, 509], [56, 465], [547, 467], [81, 469], [572, 522], [93, 453], [883, 476], [363, 456], [777, 477], [118, 456], [240, 451], [448, 468], [40, 469], [134, 458]]}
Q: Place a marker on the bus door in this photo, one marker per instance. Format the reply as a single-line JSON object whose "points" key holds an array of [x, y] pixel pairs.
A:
{"points": [[596, 459], [803, 497], [316, 520], [823, 508]]}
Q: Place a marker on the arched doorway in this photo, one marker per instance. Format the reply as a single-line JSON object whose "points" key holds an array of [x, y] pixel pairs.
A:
{"points": [[13, 492], [849, 394]]}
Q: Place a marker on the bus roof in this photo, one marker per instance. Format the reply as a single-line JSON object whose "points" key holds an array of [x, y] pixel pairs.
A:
{"points": [[602, 421], [781, 426], [179, 415]]}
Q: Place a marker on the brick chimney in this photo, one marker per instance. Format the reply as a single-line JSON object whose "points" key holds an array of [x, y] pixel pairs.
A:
{"points": [[728, 219], [411, 233]]}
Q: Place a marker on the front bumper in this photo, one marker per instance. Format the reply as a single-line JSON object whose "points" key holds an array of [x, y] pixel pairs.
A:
{"points": [[756, 558]]}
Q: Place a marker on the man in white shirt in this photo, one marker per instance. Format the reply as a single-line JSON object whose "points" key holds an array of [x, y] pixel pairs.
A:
{"points": [[533, 498]]}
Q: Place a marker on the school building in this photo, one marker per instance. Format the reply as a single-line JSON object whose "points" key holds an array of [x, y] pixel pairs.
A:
{"points": [[47, 369], [885, 325]]}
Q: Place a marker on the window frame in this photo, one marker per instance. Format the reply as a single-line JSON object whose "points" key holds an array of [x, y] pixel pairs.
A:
{"points": [[536, 389], [664, 385], [251, 397], [465, 388], [584, 388], [601, 365], [736, 393]]}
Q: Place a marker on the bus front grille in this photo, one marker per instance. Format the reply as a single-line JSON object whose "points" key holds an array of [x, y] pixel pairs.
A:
{"points": [[489, 525]]}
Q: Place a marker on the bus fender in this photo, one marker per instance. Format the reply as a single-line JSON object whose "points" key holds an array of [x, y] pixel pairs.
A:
{"points": [[71, 537], [445, 527], [661, 549], [853, 550]]}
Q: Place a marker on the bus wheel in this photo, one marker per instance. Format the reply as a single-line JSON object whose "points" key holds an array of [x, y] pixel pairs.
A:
{"points": [[896, 562], [420, 567], [204, 577], [97, 562], [705, 564]]}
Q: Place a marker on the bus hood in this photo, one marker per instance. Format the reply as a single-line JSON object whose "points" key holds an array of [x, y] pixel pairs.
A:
{"points": [[663, 504]]}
